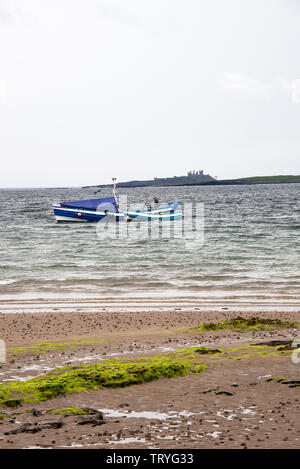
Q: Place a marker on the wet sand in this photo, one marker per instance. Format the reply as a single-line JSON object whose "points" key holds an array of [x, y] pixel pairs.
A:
{"points": [[230, 405]]}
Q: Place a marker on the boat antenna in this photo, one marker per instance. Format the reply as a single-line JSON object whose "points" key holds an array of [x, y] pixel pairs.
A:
{"points": [[114, 180]]}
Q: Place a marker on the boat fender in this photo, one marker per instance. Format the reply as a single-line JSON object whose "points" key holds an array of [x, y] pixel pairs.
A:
{"points": [[79, 214]]}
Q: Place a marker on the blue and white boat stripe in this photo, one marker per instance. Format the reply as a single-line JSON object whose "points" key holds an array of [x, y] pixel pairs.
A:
{"points": [[64, 214]]}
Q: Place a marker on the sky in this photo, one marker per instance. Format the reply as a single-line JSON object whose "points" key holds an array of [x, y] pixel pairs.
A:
{"points": [[136, 89]]}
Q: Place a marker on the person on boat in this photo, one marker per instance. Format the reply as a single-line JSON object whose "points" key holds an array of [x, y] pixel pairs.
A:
{"points": [[156, 202]]}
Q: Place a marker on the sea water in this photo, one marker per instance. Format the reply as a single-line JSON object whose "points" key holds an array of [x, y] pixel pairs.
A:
{"points": [[249, 246]]}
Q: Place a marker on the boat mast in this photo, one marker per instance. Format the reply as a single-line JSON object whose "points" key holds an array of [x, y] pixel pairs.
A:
{"points": [[114, 180]]}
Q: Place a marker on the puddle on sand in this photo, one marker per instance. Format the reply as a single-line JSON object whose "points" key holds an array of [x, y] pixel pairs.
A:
{"points": [[83, 359], [38, 447], [43, 368], [86, 445], [125, 441], [133, 414], [147, 414], [214, 434], [227, 417], [247, 411]]}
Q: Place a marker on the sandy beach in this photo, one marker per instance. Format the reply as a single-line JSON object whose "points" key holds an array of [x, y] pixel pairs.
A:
{"points": [[232, 404]]}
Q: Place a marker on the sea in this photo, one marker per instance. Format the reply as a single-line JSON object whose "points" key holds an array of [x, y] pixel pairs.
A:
{"points": [[244, 244]]}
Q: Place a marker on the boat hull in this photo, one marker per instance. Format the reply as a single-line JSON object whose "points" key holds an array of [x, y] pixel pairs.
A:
{"points": [[67, 214], [152, 216], [76, 215]]}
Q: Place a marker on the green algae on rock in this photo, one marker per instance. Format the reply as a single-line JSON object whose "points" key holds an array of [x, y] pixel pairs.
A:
{"points": [[237, 353], [292, 383], [70, 411], [243, 324], [12, 402], [112, 373], [206, 351], [46, 347]]}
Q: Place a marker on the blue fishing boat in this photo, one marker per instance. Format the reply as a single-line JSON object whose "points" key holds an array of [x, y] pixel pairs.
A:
{"points": [[88, 210]]}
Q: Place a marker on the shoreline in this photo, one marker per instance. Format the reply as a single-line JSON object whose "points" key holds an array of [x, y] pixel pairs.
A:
{"points": [[143, 303], [64, 319]]}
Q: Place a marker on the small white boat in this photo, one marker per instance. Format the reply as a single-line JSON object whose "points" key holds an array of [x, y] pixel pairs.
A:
{"points": [[161, 212]]}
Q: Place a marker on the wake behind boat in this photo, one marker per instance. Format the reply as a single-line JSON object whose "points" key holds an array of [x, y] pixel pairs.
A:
{"points": [[97, 209]]}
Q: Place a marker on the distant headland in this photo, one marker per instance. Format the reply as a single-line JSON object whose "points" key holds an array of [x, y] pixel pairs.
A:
{"points": [[198, 178]]}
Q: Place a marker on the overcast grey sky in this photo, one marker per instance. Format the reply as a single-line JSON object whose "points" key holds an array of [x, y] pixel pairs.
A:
{"points": [[136, 89]]}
